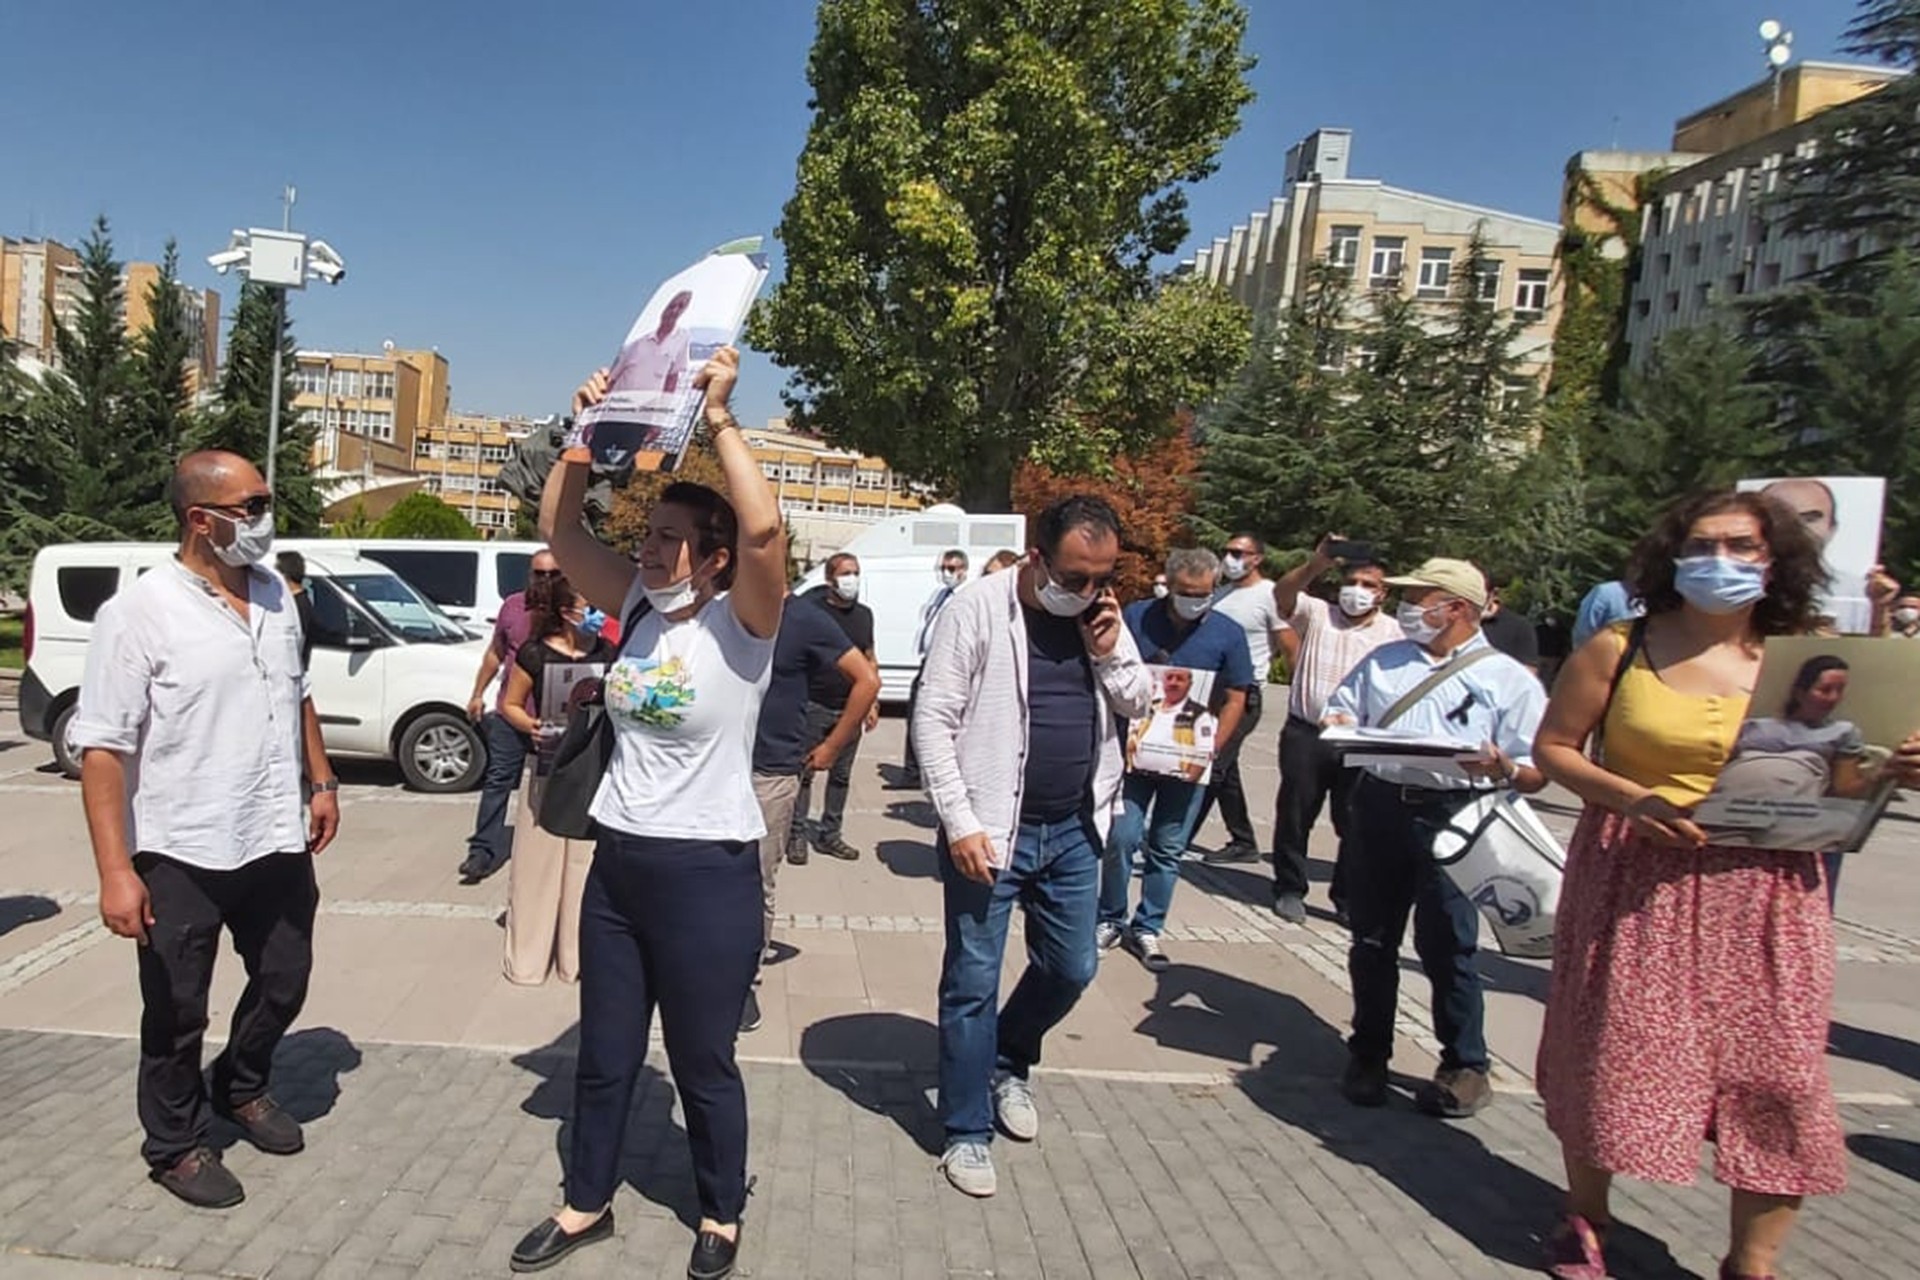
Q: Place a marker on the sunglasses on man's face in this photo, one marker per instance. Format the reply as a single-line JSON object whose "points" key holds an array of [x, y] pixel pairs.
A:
{"points": [[544, 573], [253, 508]]}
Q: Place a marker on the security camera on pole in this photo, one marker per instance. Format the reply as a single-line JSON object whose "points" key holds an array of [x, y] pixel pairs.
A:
{"points": [[280, 260]]}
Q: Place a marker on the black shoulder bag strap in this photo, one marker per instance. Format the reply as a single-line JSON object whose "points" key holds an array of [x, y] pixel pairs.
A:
{"points": [[580, 761]]}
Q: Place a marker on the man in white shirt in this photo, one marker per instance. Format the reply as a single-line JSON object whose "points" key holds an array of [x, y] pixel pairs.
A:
{"points": [[1443, 679], [1333, 640], [207, 793], [953, 575], [1246, 598], [657, 361]]}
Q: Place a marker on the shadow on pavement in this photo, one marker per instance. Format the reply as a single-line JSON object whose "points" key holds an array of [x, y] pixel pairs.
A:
{"points": [[1875, 1047], [883, 1063], [909, 859], [1900, 1155], [307, 1069], [654, 1158], [1216, 1015], [26, 908], [917, 812]]}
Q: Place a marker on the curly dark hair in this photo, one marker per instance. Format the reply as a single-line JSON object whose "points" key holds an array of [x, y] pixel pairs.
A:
{"points": [[1794, 581], [1076, 511]]}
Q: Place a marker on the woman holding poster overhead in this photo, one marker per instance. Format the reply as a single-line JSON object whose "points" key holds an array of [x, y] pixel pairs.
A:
{"points": [[1691, 981], [671, 914]]}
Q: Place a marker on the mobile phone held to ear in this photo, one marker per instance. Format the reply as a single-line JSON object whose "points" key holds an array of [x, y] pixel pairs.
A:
{"points": [[1350, 551]]}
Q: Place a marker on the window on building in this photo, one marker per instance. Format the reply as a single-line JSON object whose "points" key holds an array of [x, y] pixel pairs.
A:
{"points": [[310, 380], [1736, 284], [1490, 280], [1724, 244], [1389, 261], [495, 453], [1530, 297], [1807, 264], [1673, 302], [1343, 247], [1770, 275], [1666, 263], [1691, 255], [379, 384], [1436, 273], [1643, 308], [422, 447], [1702, 296], [345, 382], [378, 423]]}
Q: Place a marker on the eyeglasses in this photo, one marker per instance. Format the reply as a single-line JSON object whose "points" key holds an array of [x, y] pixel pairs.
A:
{"points": [[1239, 551], [544, 573], [253, 508], [1079, 583], [1748, 549]]}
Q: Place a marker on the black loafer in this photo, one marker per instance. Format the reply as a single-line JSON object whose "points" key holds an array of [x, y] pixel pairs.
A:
{"points": [[712, 1256], [547, 1243]]}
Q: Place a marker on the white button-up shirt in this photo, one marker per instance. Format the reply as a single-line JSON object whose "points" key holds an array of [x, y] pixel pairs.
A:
{"points": [[1495, 700], [206, 705]]}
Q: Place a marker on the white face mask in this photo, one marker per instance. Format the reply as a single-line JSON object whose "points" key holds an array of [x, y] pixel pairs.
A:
{"points": [[952, 577], [1187, 608], [1234, 566], [1906, 617], [1059, 601], [252, 540], [1357, 602], [673, 598], [1160, 591], [1413, 621], [848, 585]]}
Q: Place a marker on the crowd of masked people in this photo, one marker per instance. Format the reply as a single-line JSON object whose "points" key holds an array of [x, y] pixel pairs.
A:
{"points": [[1690, 984]]}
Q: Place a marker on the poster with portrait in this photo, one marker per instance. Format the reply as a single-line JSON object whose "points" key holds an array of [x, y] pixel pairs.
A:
{"points": [[565, 687], [1827, 714], [1843, 513], [1175, 738], [648, 416]]}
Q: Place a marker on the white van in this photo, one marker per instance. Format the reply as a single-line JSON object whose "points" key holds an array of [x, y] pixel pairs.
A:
{"points": [[468, 580], [900, 573], [391, 673]]}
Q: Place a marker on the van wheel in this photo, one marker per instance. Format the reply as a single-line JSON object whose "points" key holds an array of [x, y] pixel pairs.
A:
{"points": [[64, 753], [441, 752]]}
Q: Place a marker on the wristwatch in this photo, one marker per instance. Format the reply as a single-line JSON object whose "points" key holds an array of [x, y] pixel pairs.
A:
{"points": [[320, 788]]}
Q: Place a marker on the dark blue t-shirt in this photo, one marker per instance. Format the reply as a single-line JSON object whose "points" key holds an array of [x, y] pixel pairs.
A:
{"points": [[1215, 643], [1062, 707], [808, 643]]}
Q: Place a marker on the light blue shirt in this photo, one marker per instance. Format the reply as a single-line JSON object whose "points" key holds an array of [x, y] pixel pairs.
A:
{"points": [[1495, 700], [1605, 605]]}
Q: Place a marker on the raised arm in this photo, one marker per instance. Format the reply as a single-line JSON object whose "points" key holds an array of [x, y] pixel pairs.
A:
{"points": [[1288, 586], [597, 571], [760, 576]]}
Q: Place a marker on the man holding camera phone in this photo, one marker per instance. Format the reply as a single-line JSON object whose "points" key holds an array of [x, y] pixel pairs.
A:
{"points": [[1333, 641], [1018, 744]]}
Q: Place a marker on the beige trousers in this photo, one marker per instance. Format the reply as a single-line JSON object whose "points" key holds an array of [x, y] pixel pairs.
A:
{"points": [[777, 794], [545, 879]]}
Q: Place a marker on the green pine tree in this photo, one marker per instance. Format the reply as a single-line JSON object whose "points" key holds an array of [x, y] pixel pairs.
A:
{"points": [[91, 398], [239, 418], [159, 406]]}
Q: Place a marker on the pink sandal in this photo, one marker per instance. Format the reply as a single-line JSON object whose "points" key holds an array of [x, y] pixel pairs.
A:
{"points": [[1728, 1273], [1572, 1252]]}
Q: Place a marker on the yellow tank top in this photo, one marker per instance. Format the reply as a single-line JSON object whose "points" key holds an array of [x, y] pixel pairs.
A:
{"points": [[1672, 743]]}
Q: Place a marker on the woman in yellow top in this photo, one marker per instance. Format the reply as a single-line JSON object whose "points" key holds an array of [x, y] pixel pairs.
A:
{"points": [[1691, 981]]}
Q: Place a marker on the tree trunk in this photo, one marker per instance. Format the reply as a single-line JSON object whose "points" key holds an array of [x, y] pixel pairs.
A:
{"points": [[987, 483]]}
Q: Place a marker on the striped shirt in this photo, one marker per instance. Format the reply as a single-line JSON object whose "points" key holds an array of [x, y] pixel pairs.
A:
{"points": [[1331, 645]]}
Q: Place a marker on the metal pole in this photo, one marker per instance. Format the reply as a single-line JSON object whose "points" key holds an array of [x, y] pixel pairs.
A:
{"points": [[273, 396]]}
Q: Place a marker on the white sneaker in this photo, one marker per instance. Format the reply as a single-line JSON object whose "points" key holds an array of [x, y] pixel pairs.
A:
{"points": [[1107, 936], [1013, 1108], [1147, 947], [969, 1167]]}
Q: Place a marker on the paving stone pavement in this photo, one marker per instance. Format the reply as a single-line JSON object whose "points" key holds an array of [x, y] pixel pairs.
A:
{"points": [[430, 1162]]}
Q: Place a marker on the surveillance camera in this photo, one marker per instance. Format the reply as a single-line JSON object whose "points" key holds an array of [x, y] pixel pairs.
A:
{"points": [[228, 259], [325, 262], [331, 272]]}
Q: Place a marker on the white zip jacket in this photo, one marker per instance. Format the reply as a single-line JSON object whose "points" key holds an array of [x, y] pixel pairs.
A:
{"points": [[970, 723]]}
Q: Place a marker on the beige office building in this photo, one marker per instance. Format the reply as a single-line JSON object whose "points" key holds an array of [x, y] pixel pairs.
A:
{"points": [[202, 308], [827, 494], [1390, 238], [460, 461], [39, 284], [369, 411], [1707, 237]]}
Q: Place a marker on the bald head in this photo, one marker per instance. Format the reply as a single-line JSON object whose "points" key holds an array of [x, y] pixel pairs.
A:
{"points": [[1812, 501], [213, 478]]}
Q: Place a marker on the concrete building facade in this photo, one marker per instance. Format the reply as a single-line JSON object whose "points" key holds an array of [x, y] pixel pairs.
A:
{"points": [[461, 460], [203, 321], [1708, 237], [1390, 238], [827, 494]]}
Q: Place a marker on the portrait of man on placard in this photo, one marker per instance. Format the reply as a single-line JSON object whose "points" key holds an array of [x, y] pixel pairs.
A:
{"points": [[1843, 514]]}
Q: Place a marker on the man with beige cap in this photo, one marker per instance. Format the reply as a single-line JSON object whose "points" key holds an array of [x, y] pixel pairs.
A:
{"points": [[1443, 679]]}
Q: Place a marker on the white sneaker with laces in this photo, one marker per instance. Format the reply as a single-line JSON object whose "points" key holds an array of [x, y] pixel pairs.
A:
{"points": [[1013, 1108], [1147, 947], [1107, 936], [969, 1167]]}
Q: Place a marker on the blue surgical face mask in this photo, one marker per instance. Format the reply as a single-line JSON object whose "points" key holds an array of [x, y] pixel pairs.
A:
{"points": [[1718, 584]]}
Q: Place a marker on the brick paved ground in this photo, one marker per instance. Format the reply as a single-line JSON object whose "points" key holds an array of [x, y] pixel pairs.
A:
{"points": [[1191, 1126]]}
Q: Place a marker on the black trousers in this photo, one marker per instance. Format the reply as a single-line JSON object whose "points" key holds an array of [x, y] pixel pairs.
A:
{"points": [[1310, 771], [1226, 790], [1391, 873], [268, 906], [673, 924], [833, 810]]}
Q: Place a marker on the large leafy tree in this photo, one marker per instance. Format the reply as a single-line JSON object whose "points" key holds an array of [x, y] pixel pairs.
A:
{"points": [[239, 419], [422, 515], [983, 191]]}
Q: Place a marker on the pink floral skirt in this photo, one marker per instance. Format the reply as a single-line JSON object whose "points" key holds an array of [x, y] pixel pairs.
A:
{"points": [[1689, 1003]]}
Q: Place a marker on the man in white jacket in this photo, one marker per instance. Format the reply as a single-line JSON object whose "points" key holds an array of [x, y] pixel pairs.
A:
{"points": [[1015, 733]]}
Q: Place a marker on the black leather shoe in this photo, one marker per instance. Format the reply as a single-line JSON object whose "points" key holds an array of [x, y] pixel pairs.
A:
{"points": [[266, 1126], [201, 1180], [1364, 1083], [546, 1244], [712, 1256]]}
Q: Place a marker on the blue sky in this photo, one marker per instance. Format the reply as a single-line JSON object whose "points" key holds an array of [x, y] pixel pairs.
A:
{"points": [[508, 181]]}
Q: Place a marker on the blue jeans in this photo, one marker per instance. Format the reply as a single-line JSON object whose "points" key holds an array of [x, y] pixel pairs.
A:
{"points": [[506, 757], [1158, 820], [1055, 877]]}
